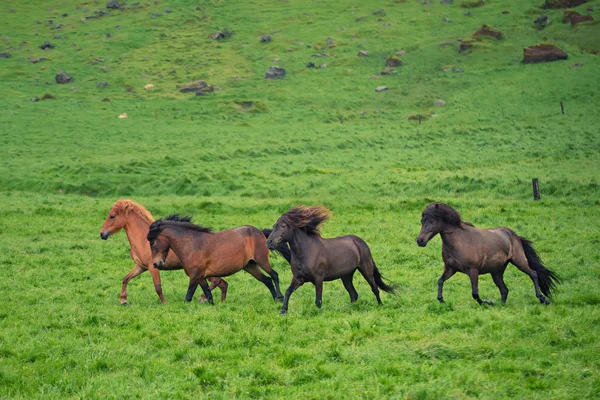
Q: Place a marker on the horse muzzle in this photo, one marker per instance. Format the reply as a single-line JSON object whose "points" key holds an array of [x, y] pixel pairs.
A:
{"points": [[421, 242], [271, 245], [104, 235], [159, 265]]}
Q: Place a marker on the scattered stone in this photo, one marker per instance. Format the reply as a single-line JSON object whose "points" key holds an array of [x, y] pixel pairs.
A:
{"points": [[35, 60], [47, 45], [554, 4], [541, 22], [245, 104], [505, 12], [57, 26], [379, 12], [393, 61], [114, 4], [99, 59], [388, 71], [376, 111], [310, 64], [108, 35], [374, 76], [363, 53], [275, 73], [196, 86], [544, 52], [106, 99], [266, 38], [74, 89], [381, 88], [447, 68], [330, 42], [48, 96], [320, 55], [172, 72], [168, 10], [487, 30], [576, 65], [464, 46], [468, 14], [439, 103], [446, 19], [360, 19], [155, 15], [34, 99], [65, 15], [118, 26], [102, 84], [123, 116], [401, 52], [221, 35], [323, 66], [104, 69], [417, 117], [5, 55], [575, 18], [472, 4], [62, 77], [458, 70]]}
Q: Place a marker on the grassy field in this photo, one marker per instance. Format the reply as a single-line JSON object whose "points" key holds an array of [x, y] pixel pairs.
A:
{"points": [[253, 148]]}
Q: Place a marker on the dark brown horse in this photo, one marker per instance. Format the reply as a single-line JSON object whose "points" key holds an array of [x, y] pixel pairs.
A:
{"points": [[136, 220], [206, 254], [315, 259], [475, 251]]}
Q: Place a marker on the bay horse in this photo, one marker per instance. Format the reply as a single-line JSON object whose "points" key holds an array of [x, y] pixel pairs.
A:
{"points": [[475, 251], [315, 259], [207, 254], [136, 220]]}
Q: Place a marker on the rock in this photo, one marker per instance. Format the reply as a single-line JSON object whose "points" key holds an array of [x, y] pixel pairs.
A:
{"points": [[446, 19], [114, 4], [575, 18], [541, 22], [447, 68], [57, 26], [458, 70], [172, 72], [379, 12], [48, 96], [393, 61], [401, 52], [330, 42], [155, 15], [576, 65], [148, 86], [310, 64], [381, 88], [102, 84], [196, 86], [47, 45], [472, 4], [104, 69], [505, 12], [363, 53], [275, 73], [35, 60], [554, 4], [74, 89], [446, 44], [360, 19], [464, 46], [266, 38], [222, 35], [487, 30], [62, 77], [544, 52], [106, 99], [5, 55], [320, 55], [374, 76], [34, 99], [468, 14], [118, 26], [167, 10], [388, 71], [245, 104], [323, 66], [123, 116], [108, 35], [439, 103]]}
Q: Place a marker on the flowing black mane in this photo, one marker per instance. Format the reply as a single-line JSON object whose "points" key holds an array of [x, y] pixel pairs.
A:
{"points": [[174, 220], [445, 213], [307, 219]]}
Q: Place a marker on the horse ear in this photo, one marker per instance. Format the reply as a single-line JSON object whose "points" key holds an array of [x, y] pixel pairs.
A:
{"points": [[437, 205]]}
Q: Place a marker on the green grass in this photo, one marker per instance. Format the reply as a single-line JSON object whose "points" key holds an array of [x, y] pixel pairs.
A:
{"points": [[319, 136]]}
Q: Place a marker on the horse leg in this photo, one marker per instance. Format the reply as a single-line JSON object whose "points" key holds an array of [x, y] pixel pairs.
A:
{"points": [[447, 274], [138, 269], [217, 282], [371, 280], [157, 285], [204, 285], [223, 287], [520, 261], [253, 270], [263, 262], [296, 283], [499, 281], [191, 290], [347, 280], [319, 292], [474, 275]]}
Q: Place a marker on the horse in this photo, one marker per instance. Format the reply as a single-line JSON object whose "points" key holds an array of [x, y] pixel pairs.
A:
{"points": [[207, 254], [474, 251], [315, 259], [136, 220]]}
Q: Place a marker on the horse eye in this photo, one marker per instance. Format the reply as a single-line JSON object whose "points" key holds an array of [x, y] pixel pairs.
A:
{"points": [[112, 217]]}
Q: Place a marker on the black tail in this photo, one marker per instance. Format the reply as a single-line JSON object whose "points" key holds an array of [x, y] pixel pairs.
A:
{"points": [[379, 281], [282, 248], [546, 278]]}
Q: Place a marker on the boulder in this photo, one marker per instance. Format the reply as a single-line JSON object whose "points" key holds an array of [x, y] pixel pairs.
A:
{"points": [[393, 61], [266, 38], [381, 88], [196, 86], [541, 22], [554, 4], [275, 73], [47, 45], [62, 77], [487, 30], [544, 52], [221, 35]]}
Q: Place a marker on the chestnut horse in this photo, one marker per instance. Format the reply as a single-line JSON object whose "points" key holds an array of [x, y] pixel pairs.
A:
{"points": [[475, 251], [136, 220], [206, 254], [315, 259]]}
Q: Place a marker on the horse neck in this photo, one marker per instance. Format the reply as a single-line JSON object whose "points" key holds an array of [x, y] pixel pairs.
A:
{"points": [[300, 240], [136, 229], [450, 235], [177, 236]]}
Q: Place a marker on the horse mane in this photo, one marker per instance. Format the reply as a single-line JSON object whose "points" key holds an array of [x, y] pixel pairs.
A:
{"points": [[173, 220], [307, 218], [126, 205], [445, 213]]}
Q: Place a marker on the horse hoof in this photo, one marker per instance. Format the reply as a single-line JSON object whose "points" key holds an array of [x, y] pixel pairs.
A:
{"points": [[124, 304], [283, 312]]}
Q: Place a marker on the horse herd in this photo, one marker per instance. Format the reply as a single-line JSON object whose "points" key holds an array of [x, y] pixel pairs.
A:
{"points": [[176, 243]]}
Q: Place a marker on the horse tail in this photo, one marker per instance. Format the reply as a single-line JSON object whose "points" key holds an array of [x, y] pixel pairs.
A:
{"points": [[282, 248], [379, 281], [546, 278]]}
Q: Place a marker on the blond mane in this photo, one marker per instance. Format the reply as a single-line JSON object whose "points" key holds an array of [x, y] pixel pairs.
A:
{"points": [[125, 206]]}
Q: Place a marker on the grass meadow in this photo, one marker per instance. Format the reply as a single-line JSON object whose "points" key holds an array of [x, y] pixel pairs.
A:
{"points": [[252, 149]]}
